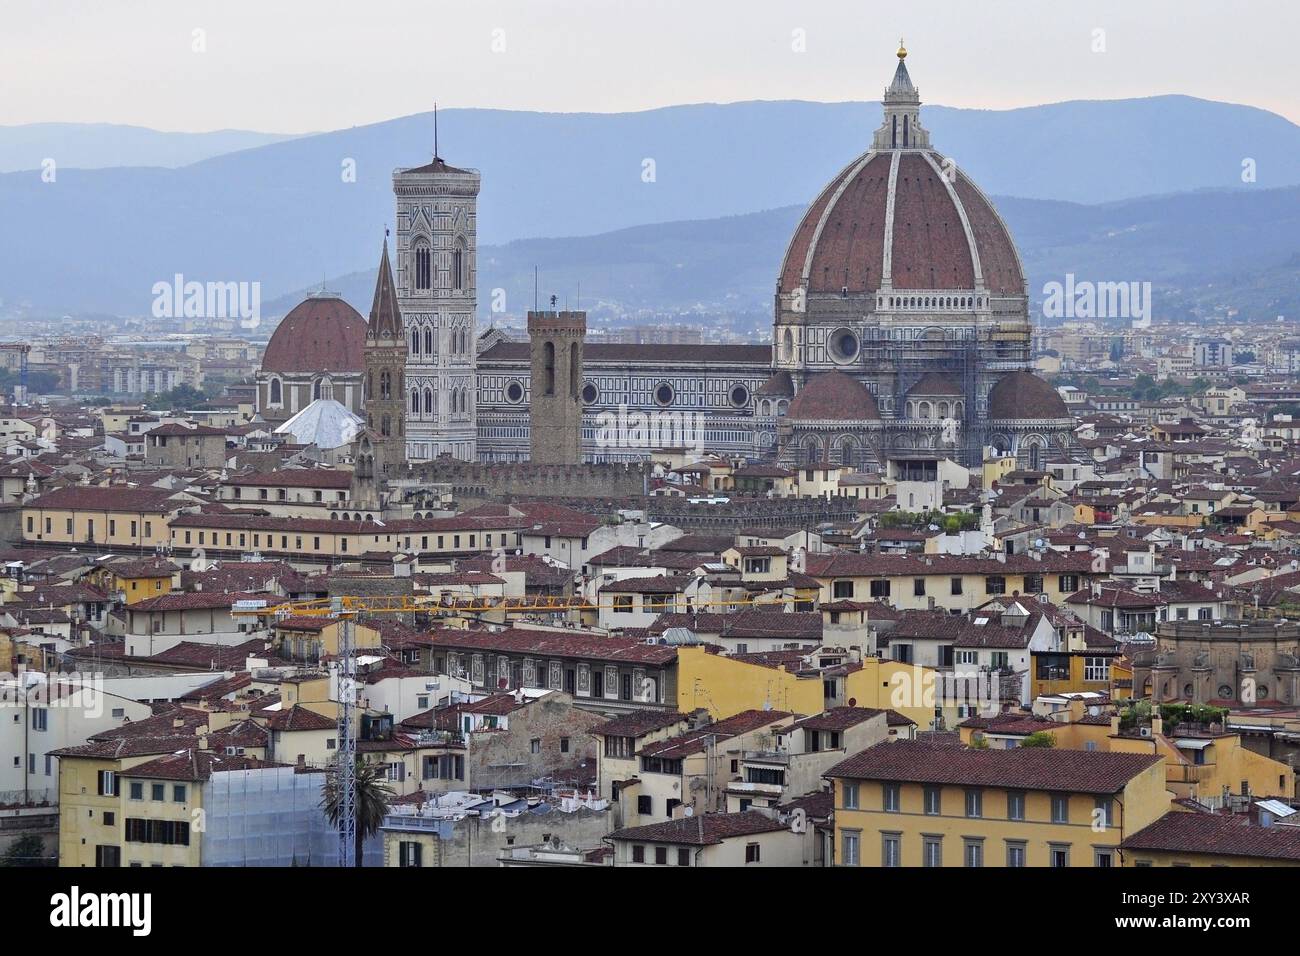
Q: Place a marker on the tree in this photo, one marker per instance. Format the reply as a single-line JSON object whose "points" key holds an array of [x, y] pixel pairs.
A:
{"points": [[27, 850], [1039, 738], [373, 797]]}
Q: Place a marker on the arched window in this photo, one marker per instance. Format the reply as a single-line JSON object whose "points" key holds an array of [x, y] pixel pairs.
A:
{"points": [[1035, 457], [458, 266], [370, 385], [423, 265], [274, 392], [315, 389], [848, 453], [415, 343], [415, 402], [428, 341], [385, 385], [788, 346], [428, 401], [385, 426], [548, 366], [574, 384]]}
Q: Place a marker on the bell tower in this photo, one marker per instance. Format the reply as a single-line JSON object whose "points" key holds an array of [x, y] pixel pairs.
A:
{"points": [[385, 382], [437, 291]]}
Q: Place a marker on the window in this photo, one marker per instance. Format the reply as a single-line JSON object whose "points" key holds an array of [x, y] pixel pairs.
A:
{"points": [[638, 854], [880, 589], [891, 849], [842, 590], [1033, 584], [932, 851], [1104, 858], [644, 805], [622, 604], [973, 852], [1015, 805], [109, 818], [158, 791], [995, 584], [178, 793], [1015, 853], [409, 853], [956, 586], [1069, 583], [1096, 668], [107, 784], [137, 791], [1058, 855], [933, 801], [535, 745], [850, 841], [752, 852], [661, 856], [1104, 811], [850, 796], [918, 587], [974, 803], [106, 856], [683, 857], [890, 801], [40, 718], [423, 269], [564, 745], [1060, 808]]}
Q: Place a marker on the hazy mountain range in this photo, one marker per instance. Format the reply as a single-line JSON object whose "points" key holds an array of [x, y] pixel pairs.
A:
{"points": [[101, 145], [283, 213]]}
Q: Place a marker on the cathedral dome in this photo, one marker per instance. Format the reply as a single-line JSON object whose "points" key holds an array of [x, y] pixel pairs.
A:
{"points": [[1025, 396], [320, 334], [833, 396], [897, 212]]}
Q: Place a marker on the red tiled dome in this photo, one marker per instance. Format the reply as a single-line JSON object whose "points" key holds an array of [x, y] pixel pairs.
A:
{"points": [[833, 396], [320, 334], [840, 242], [1023, 395]]}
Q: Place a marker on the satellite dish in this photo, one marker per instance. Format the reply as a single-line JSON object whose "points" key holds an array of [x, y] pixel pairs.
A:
{"points": [[688, 812]]}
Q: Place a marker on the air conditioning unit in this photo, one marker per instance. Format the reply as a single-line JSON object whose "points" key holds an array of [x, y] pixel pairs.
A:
{"points": [[1145, 732]]}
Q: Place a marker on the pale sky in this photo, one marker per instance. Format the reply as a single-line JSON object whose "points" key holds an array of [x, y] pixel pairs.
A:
{"points": [[294, 66]]}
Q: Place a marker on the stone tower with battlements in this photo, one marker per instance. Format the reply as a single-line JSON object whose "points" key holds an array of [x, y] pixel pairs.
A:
{"points": [[555, 406]]}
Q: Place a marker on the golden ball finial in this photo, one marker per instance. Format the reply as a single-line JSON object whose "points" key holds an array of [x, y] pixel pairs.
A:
{"points": [[902, 50]]}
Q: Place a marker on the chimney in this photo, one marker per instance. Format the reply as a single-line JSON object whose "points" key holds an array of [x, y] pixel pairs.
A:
{"points": [[203, 739], [178, 723], [1114, 725], [1157, 724]]}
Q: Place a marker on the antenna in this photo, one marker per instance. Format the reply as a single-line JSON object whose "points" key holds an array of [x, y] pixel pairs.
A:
{"points": [[435, 132], [534, 288]]}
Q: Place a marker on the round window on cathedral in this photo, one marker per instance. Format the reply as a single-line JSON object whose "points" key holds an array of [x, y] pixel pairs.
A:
{"points": [[514, 393], [739, 396], [590, 393], [843, 345], [664, 394]]}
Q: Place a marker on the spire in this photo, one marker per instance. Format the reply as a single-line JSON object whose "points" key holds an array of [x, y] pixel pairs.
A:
{"points": [[385, 316], [902, 126], [902, 81]]}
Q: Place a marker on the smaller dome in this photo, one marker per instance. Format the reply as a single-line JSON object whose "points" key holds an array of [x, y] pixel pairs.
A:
{"points": [[934, 384], [322, 333], [325, 423], [1023, 395], [780, 385], [833, 396]]}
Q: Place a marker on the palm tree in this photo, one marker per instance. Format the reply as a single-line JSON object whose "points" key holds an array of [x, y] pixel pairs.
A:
{"points": [[373, 796]]}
